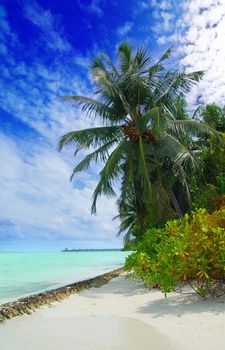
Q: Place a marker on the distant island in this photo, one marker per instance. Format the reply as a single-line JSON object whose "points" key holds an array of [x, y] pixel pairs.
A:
{"points": [[91, 250]]}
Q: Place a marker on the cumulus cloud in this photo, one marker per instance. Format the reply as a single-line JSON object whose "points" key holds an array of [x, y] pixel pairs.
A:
{"points": [[198, 33], [203, 49], [34, 90], [164, 14], [37, 199]]}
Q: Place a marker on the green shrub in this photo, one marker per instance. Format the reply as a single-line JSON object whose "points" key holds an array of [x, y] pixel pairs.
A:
{"points": [[139, 261], [220, 184], [206, 197], [129, 245], [139, 264], [191, 250], [208, 190]]}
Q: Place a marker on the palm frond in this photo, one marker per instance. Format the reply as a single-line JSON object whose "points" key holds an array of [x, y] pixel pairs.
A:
{"points": [[98, 64], [152, 118], [93, 107], [144, 172], [176, 83], [90, 137], [191, 127], [124, 55], [183, 179], [166, 55], [141, 59], [109, 61], [110, 172], [112, 89], [178, 154], [103, 187], [153, 70], [100, 154]]}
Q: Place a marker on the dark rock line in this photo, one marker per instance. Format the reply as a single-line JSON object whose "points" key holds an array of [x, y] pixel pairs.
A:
{"points": [[29, 304]]}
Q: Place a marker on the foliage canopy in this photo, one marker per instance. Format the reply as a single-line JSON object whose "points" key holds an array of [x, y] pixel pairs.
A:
{"points": [[142, 142]]}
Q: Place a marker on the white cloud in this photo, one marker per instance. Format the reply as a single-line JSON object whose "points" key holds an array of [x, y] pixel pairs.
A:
{"points": [[167, 18], [165, 5], [126, 28], [5, 29], [204, 49], [34, 94], [164, 16], [6, 34], [199, 35], [93, 7], [36, 193], [45, 21], [35, 97]]}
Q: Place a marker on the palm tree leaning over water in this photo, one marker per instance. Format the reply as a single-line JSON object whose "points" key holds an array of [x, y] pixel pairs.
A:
{"points": [[140, 140]]}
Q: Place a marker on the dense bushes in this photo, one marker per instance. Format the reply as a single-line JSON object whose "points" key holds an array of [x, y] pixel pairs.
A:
{"points": [[189, 250], [146, 250], [208, 191]]}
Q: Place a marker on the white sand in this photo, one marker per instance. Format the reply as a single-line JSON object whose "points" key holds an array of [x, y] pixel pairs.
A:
{"points": [[121, 315]]}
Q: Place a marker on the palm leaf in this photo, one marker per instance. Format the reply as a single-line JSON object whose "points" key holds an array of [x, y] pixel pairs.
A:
{"points": [[144, 171], [90, 137], [92, 106], [191, 127], [175, 83], [110, 172], [124, 55], [109, 61], [101, 153], [178, 154], [166, 55]]}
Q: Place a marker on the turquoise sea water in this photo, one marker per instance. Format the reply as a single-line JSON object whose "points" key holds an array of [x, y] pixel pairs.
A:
{"points": [[23, 274]]}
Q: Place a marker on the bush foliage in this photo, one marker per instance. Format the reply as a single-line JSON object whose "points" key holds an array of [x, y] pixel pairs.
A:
{"points": [[189, 250]]}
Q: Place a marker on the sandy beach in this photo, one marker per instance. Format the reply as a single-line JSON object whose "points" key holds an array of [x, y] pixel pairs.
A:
{"points": [[120, 315]]}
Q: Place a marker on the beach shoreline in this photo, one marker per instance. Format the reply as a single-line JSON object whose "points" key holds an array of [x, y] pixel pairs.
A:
{"points": [[120, 315], [29, 304]]}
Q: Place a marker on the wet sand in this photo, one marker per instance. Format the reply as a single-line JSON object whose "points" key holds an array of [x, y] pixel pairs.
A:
{"points": [[121, 315]]}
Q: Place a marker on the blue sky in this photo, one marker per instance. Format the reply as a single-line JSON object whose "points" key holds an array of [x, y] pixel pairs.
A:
{"points": [[45, 50]]}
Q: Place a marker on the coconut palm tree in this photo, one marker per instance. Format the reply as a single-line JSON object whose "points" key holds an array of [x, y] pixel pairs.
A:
{"points": [[140, 138]]}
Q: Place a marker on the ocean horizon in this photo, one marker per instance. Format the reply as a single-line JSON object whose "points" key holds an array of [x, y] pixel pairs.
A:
{"points": [[26, 273]]}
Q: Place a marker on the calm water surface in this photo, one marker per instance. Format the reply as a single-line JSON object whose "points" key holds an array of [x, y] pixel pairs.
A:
{"points": [[22, 274]]}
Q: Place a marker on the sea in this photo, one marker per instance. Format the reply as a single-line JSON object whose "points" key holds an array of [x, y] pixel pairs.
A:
{"points": [[24, 274]]}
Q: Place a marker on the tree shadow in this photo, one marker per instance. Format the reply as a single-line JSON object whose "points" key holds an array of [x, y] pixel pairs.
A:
{"points": [[120, 285], [174, 304], [157, 305], [180, 304]]}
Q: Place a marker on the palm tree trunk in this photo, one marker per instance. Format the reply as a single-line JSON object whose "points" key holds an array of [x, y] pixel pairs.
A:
{"points": [[176, 205]]}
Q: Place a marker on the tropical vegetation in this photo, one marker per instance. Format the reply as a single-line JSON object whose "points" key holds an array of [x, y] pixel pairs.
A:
{"points": [[190, 251], [166, 163], [145, 139]]}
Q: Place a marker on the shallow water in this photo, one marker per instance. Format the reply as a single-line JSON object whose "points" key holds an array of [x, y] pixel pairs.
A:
{"points": [[23, 274]]}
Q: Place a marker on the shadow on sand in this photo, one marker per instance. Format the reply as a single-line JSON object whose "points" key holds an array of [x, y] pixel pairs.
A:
{"points": [[174, 304], [179, 304]]}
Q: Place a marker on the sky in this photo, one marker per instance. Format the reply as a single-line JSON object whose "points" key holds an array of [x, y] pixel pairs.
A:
{"points": [[46, 47]]}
